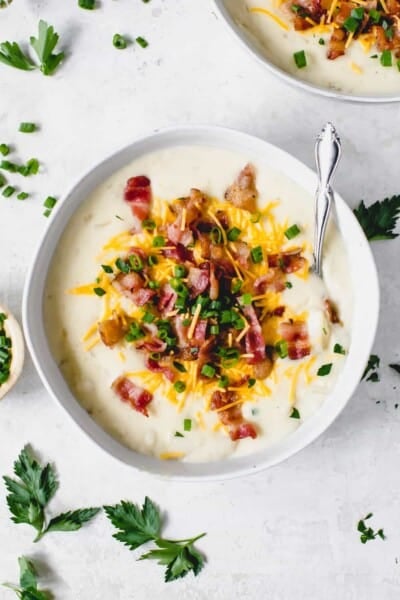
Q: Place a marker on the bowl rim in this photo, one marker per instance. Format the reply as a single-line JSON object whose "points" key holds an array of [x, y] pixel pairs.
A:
{"points": [[37, 343], [244, 41]]}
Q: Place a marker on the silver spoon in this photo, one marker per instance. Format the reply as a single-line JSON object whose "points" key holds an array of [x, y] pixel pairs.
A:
{"points": [[327, 155]]}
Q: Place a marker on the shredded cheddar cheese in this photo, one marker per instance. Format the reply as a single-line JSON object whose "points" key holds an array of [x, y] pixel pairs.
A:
{"points": [[271, 15]]}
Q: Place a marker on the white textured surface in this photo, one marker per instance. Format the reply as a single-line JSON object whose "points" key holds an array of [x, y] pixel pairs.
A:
{"points": [[289, 533]]}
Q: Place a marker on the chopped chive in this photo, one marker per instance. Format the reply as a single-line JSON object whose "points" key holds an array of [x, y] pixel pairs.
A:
{"points": [[214, 329], [187, 424], [233, 234], [251, 382], [148, 224], [27, 127], [119, 42], [180, 271], [4, 149], [282, 348], [321, 42], [386, 58], [9, 166], [338, 349], [295, 413], [357, 13], [136, 263], [158, 241], [288, 284], [99, 291], [142, 42], [153, 285], [256, 254], [324, 370], [152, 260], [107, 269], [216, 235], [236, 286], [88, 4], [8, 191], [50, 202], [180, 386], [223, 382], [47, 212], [374, 15], [22, 196], [351, 24], [300, 59], [229, 357], [179, 367], [179, 434], [135, 333], [208, 371], [246, 299], [292, 232], [186, 322], [2, 180], [122, 265], [31, 168]]}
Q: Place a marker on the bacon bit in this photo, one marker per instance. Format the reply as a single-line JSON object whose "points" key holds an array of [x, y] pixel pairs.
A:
{"points": [[178, 252], [138, 194], [167, 299], [263, 369], [194, 321], [254, 340], [154, 345], [199, 334], [214, 283], [131, 285], [242, 254], [156, 367], [337, 44], [273, 281], [295, 333], [243, 192], [287, 262], [134, 395], [112, 330], [230, 415], [198, 280], [332, 311]]}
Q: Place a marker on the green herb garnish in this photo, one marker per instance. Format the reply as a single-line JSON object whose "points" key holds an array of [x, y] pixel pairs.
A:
{"points": [[23, 196], [142, 42], [367, 533], [187, 424], [179, 386], [136, 526], [256, 254], [99, 291], [371, 369], [158, 241], [12, 55], [338, 349], [295, 413], [4, 149], [28, 583], [88, 4], [119, 41], [107, 269], [379, 220], [395, 367], [292, 232], [282, 348], [8, 191], [179, 367], [44, 45], [208, 371], [324, 370], [233, 234], [386, 58], [300, 59], [27, 127], [29, 496]]}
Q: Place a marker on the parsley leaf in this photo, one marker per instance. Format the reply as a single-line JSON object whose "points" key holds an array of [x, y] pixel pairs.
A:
{"points": [[372, 369], [379, 220], [28, 589], [140, 525], [28, 498], [367, 533], [12, 55], [44, 45]]}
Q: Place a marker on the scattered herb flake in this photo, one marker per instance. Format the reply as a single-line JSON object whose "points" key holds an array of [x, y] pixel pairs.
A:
{"points": [[295, 413], [372, 365], [367, 533], [324, 370]]}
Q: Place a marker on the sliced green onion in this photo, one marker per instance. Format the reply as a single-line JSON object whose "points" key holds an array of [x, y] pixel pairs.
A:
{"points": [[236, 285], [107, 269], [142, 42], [8, 191], [187, 424], [251, 382], [180, 271], [148, 224], [246, 299], [292, 232], [233, 234], [152, 260], [2, 180], [186, 322], [179, 367], [288, 284], [27, 127], [158, 241], [295, 413], [148, 317], [7, 165], [214, 329], [229, 357], [136, 263], [50, 202], [321, 42], [282, 348], [31, 168], [351, 24], [338, 349], [88, 4], [47, 212], [180, 386], [386, 58], [216, 235], [4, 149], [208, 371], [119, 41], [300, 59], [223, 382], [374, 15], [153, 285], [22, 196], [256, 254], [357, 13], [135, 333], [122, 265], [324, 370]]}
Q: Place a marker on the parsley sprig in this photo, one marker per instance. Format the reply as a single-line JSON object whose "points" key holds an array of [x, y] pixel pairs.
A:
{"points": [[28, 584], [367, 533], [379, 220], [29, 496], [12, 55], [137, 526]]}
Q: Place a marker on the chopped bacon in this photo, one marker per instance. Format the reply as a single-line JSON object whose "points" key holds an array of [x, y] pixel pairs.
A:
{"points": [[167, 299], [301, 24], [137, 397], [199, 334], [214, 283], [112, 330], [343, 12], [312, 7], [222, 218], [254, 339], [232, 417], [156, 367], [295, 333], [288, 262], [273, 281], [331, 311], [153, 345], [138, 194], [198, 280], [177, 236], [242, 253], [179, 253], [337, 44], [243, 192], [131, 285], [393, 7]]}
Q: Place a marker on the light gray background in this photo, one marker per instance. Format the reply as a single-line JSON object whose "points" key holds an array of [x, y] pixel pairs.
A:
{"points": [[289, 533]]}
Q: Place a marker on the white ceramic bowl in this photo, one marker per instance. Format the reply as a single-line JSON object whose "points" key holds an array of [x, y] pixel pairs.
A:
{"points": [[250, 44], [366, 306]]}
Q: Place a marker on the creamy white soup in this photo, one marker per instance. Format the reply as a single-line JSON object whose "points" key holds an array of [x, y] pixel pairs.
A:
{"points": [[182, 312], [366, 51]]}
